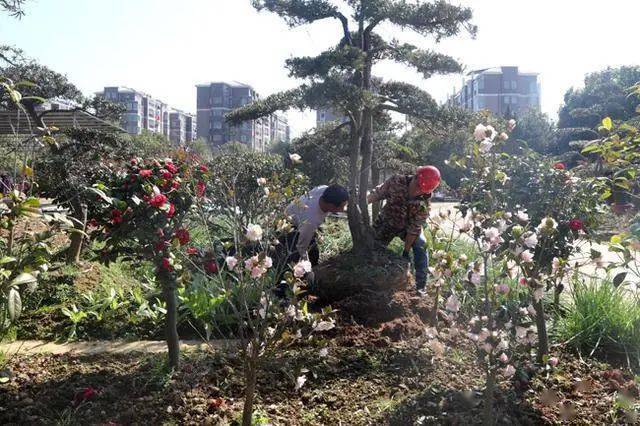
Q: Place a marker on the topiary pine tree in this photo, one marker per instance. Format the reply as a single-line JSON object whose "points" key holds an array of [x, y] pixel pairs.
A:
{"points": [[341, 78]]}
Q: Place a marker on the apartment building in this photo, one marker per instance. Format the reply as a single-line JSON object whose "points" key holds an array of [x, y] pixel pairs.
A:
{"points": [[216, 99], [180, 127], [503, 90]]}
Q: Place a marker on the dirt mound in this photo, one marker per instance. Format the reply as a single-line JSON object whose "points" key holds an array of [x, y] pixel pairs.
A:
{"points": [[375, 299]]}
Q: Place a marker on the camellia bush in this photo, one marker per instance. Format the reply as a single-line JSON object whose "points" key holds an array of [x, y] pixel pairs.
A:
{"points": [[145, 205], [241, 270]]}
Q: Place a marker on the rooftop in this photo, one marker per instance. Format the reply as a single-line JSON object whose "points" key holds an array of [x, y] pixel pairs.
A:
{"points": [[231, 83], [498, 70]]}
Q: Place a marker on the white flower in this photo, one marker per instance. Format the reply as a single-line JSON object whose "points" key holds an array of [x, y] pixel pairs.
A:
{"points": [[301, 268], [538, 294], [555, 265], [487, 347], [531, 241], [511, 124], [295, 158], [475, 278], [261, 181], [453, 304], [509, 371], [502, 225], [522, 216], [267, 262], [521, 332], [526, 256], [231, 262], [254, 232], [523, 311], [480, 132], [504, 136], [300, 381], [465, 226], [485, 146], [512, 268], [531, 310], [492, 133], [324, 326], [504, 358], [323, 352], [266, 191]]}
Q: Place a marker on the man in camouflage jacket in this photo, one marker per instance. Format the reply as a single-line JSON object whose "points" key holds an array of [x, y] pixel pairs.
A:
{"points": [[403, 215]]}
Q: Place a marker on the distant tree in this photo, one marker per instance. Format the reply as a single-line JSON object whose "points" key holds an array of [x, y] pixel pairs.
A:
{"points": [[536, 129], [341, 78], [13, 7], [605, 94]]}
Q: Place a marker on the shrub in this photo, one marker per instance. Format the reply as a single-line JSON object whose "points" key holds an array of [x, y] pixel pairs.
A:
{"points": [[602, 319]]}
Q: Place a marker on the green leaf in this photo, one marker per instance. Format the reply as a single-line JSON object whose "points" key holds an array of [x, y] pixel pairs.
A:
{"points": [[4, 380], [7, 259], [619, 279], [101, 194], [24, 278], [35, 98], [607, 123], [605, 194], [14, 304]]}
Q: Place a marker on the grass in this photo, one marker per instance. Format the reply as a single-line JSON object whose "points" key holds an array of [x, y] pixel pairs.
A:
{"points": [[603, 319]]}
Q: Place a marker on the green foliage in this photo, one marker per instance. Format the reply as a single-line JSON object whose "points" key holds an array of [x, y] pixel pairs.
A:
{"points": [[151, 145], [605, 94], [534, 128], [603, 319]]}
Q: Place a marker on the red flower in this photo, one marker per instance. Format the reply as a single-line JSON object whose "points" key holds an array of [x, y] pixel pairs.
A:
{"points": [[204, 168], [93, 223], [172, 168], [183, 236], [158, 200], [166, 174], [85, 394], [171, 211], [133, 178], [200, 188], [175, 184], [192, 251], [145, 173], [576, 224], [166, 265], [211, 267], [134, 161], [559, 166], [116, 216], [160, 246]]}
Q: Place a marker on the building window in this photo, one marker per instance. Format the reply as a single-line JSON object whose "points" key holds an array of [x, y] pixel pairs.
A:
{"points": [[481, 83], [513, 84], [505, 84]]}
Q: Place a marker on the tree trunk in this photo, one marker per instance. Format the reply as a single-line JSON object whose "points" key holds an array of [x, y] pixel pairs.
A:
{"points": [[543, 340], [353, 212], [250, 371], [171, 325], [77, 238], [375, 181], [488, 418]]}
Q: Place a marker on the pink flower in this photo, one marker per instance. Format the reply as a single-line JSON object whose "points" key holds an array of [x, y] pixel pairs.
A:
{"points": [[171, 167], [204, 168], [503, 289], [158, 200], [559, 166], [145, 173], [553, 361], [526, 256], [480, 132], [522, 281], [166, 174], [504, 136], [509, 371], [257, 272], [301, 268], [192, 251], [504, 358]]}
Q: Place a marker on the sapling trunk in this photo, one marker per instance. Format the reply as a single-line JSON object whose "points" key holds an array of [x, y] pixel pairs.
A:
{"points": [[543, 339], [250, 375], [436, 302], [77, 238], [171, 325], [488, 418]]}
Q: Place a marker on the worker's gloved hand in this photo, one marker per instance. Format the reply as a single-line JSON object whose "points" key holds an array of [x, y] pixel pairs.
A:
{"points": [[405, 255]]}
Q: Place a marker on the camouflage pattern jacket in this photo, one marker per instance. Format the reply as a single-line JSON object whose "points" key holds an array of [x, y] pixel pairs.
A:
{"points": [[402, 214]]}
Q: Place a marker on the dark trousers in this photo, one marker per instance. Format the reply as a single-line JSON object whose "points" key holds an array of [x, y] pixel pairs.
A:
{"points": [[287, 255]]}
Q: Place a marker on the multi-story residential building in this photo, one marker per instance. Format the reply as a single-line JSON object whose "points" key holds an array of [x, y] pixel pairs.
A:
{"points": [[503, 91], [279, 129], [143, 112], [216, 99], [180, 127], [190, 127], [324, 116]]}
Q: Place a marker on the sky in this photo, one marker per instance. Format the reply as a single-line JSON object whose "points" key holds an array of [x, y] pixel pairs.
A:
{"points": [[166, 47]]}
